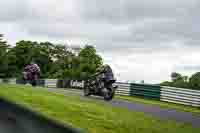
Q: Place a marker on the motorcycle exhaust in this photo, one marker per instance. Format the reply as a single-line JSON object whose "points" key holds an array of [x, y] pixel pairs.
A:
{"points": [[115, 86]]}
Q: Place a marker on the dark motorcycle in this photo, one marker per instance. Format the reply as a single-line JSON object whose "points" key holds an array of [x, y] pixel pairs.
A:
{"points": [[30, 75], [101, 86]]}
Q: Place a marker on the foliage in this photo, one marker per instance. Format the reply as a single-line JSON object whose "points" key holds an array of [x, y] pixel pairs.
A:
{"points": [[89, 61], [177, 80], [195, 81], [180, 81], [176, 76], [55, 61], [3, 57]]}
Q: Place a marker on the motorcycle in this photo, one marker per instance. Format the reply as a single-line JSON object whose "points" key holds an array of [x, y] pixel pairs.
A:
{"points": [[30, 76], [100, 85]]}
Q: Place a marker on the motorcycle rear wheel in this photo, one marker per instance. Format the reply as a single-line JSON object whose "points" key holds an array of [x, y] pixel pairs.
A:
{"points": [[33, 83], [86, 92]]}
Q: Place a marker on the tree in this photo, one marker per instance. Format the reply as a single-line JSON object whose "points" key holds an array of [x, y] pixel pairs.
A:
{"points": [[64, 61], [3, 57], [180, 84], [26, 51], [55, 61], [175, 76], [89, 60], [3, 44], [177, 81], [194, 81], [76, 66]]}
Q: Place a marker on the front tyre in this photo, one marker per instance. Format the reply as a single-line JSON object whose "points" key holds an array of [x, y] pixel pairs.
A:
{"points": [[107, 95]]}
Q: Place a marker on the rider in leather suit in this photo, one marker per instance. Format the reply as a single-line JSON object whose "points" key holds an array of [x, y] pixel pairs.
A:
{"points": [[107, 71], [31, 73], [104, 74]]}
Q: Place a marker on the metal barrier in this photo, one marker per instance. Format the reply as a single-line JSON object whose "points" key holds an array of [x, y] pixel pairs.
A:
{"points": [[123, 89], [146, 91], [180, 96], [50, 83]]}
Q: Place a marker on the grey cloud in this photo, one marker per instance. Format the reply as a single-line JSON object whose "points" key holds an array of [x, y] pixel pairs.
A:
{"points": [[12, 10], [126, 10], [188, 67], [110, 25]]}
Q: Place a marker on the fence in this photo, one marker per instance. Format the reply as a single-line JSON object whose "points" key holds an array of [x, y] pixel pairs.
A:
{"points": [[123, 89], [180, 96], [147, 91], [162, 93]]}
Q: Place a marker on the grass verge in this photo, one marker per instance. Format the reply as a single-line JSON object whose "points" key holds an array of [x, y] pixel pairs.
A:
{"points": [[91, 115], [161, 104]]}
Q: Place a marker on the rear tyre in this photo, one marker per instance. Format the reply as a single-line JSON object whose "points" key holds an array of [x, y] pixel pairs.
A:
{"points": [[34, 83], [86, 92], [113, 93], [112, 96]]}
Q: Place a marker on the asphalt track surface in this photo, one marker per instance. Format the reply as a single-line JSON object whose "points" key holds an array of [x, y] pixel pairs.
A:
{"points": [[156, 111]]}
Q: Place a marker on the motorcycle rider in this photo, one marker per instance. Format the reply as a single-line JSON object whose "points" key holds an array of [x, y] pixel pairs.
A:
{"points": [[104, 73], [101, 83], [31, 73], [107, 71]]}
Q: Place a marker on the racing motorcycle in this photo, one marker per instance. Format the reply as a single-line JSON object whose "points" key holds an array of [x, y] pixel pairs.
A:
{"points": [[100, 85], [30, 75]]}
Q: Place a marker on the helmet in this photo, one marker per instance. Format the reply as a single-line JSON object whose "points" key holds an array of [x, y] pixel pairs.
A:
{"points": [[106, 67]]}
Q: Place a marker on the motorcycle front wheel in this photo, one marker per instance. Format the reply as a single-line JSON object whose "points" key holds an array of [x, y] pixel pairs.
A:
{"points": [[107, 94]]}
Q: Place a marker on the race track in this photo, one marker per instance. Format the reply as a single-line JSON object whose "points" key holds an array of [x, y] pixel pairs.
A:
{"points": [[156, 111]]}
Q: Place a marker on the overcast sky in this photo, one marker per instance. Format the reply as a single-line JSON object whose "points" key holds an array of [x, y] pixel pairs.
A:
{"points": [[141, 39]]}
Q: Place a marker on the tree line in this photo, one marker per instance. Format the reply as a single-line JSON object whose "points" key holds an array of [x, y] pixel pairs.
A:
{"points": [[59, 61], [55, 60], [181, 81]]}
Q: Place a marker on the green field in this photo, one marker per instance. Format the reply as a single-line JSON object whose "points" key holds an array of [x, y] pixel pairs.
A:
{"points": [[161, 104], [90, 115]]}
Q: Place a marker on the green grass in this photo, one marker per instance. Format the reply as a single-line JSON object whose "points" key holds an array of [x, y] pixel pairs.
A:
{"points": [[161, 104], [90, 115]]}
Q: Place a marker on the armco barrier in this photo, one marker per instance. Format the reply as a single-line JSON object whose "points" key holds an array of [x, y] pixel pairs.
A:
{"points": [[180, 96], [146, 91], [50, 83], [63, 83], [40, 82], [123, 89], [12, 81], [167, 94], [15, 118]]}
